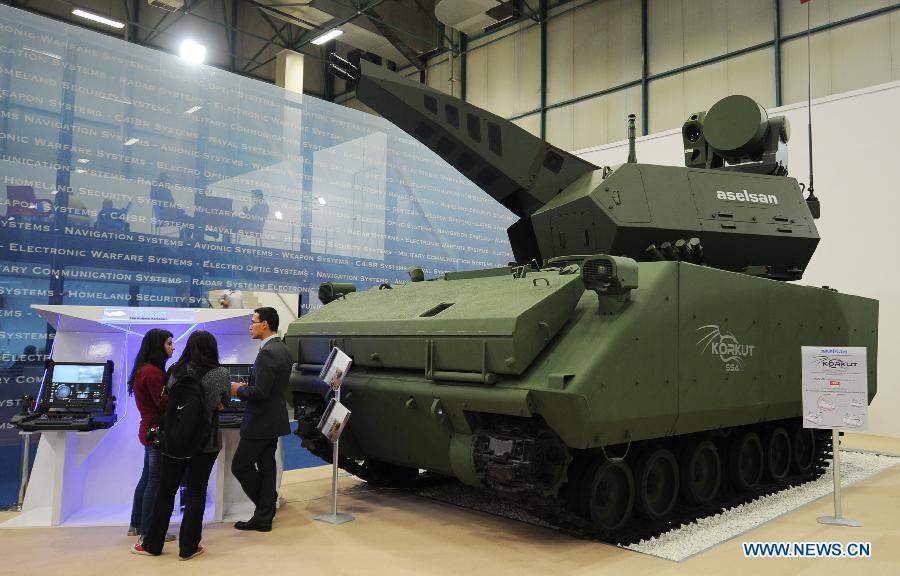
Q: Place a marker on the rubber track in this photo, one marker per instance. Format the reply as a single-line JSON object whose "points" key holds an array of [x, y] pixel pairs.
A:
{"points": [[555, 512], [640, 529]]}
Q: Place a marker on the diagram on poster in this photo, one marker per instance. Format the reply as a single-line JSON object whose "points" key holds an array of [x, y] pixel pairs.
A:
{"points": [[835, 388], [334, 420], [336, 367]]}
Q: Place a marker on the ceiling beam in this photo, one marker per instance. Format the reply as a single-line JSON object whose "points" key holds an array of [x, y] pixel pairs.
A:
{"points": [[132, 13], [271, 24], [395, 40], [308, 36], [252, 60], [157, 30], [343, 8], [232, 35], [273, 10]]}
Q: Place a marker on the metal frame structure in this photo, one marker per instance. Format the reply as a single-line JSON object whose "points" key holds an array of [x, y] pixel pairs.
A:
{"points": [[238, 19], [646, 78], [284, 35], [144, 35]]}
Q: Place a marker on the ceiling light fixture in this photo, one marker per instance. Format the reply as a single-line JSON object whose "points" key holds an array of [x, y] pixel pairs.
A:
{"points": [[330, 35], [98, 18], [193, 52], [192, 110], [321, 200], [131, 141]]}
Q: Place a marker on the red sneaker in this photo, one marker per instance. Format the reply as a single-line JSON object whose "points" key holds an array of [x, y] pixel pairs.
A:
{"points": [[196, 553], [139, 549]]}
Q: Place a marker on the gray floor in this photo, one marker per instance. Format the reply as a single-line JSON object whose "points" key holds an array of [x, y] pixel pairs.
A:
{"points": [[398, 533]]}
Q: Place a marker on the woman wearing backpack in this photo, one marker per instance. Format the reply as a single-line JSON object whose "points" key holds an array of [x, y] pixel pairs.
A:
{"points": [[199, 364], [146, 385]]}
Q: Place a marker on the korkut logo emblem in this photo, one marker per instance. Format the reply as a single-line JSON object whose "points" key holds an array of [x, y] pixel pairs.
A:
{"points": [[726, 346], [838, 364]]}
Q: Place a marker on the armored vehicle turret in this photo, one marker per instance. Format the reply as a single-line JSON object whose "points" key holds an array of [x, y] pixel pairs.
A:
{"points": [[640, 364]]}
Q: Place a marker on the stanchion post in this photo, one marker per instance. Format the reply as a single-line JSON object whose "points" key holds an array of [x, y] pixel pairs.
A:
{"points": [[838, 518], [335, 517], [26, 468]]}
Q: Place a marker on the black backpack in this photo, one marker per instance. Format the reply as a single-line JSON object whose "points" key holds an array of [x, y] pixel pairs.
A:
{"points": [[186, 426]]}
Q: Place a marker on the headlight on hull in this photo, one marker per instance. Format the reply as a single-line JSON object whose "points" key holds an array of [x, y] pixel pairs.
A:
{"points": [[609, 275]]}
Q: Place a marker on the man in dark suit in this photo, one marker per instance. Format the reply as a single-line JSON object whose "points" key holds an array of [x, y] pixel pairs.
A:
{"points": [[265, 419]]}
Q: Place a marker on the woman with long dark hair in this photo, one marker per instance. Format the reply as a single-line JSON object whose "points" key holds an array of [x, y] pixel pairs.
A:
{"points": [[146, 385], [199, 360]]}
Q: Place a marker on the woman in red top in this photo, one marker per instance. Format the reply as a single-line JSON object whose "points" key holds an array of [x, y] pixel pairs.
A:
{"points": [[146, 385]]}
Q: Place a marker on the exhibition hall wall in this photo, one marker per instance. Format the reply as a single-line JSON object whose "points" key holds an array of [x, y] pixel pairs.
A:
{"points": [[855, 176], [697, 51], [131, 178]]}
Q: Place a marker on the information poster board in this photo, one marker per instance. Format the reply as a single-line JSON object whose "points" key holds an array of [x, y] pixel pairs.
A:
{"points": [[835, 388]]}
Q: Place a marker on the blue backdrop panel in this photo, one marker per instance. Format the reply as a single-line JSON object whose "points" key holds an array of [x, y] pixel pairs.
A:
{"points": [[131, 178]]}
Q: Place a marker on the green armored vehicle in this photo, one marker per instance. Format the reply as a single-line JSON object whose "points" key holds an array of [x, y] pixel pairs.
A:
{"points": [[640, 365]]}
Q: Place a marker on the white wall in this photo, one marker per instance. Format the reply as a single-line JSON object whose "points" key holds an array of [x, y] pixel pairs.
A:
{"points": [[675, 97], [855, 160], [531, 123], [437, 74], [284, 304], [592, 48], [504, 75], [595, 45]]}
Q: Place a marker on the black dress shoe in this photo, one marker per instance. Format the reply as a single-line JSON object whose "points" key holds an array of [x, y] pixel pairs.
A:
{"points": [[252, 525]]}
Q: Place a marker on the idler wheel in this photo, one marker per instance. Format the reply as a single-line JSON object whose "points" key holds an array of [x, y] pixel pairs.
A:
{"points": [[550, 460], [656, 483], [778, 454], [746, 461], [609, 495], [803, 453], [701, 472]]}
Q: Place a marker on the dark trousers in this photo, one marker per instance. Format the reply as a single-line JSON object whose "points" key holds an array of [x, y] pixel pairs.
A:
{"points": [[145, 491], [254, 467], [198, 469]]}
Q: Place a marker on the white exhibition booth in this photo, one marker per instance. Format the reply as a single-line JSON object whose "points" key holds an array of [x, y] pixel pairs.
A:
{"points": [[88, 478]]}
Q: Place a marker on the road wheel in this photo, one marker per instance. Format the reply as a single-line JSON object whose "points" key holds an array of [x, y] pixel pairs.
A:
{"points": [[656, 484], [746, 461], [609, 495], [803, 450], [778, 454], [701, 472]]}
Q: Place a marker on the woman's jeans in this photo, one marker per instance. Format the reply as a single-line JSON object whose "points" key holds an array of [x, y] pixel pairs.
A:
{"points": [[146, 491], [198, 470]]}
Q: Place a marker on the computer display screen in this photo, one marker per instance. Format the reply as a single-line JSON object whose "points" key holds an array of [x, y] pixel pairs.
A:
{"points": [[238, 373], [77, 384]]}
